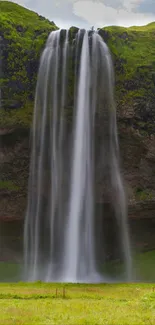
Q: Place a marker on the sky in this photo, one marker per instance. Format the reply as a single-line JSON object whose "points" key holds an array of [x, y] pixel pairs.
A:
{"points": [[97, 13]]}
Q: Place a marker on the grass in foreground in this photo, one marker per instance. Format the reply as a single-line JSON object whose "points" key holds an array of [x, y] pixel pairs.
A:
{"points": [[106, 304]]}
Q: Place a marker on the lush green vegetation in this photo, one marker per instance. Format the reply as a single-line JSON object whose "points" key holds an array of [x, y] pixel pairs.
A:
{"points": [[133, 45], [17, 118], [23, 35], [55, 303], [133, 51], [115, 304]]}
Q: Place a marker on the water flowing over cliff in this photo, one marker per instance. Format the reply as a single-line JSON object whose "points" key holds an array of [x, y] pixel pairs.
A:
{"points": [[67, 161]]}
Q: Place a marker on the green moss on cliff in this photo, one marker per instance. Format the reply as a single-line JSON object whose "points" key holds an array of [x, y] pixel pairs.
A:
{"points": [[17, 118], [23, 26], [133, 50], [23, 34], [143, 194], [8, 185]]}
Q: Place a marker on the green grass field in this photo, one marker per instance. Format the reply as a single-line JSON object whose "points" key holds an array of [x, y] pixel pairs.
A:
{"points": [[106, 304]]}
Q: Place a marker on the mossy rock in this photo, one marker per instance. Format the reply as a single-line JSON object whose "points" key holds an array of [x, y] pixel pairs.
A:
{"points": [[23, 34], [133, 51]]}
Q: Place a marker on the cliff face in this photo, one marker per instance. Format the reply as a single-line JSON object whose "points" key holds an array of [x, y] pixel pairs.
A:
{"points": [[133, 51], [22, 37], [23, 34]]}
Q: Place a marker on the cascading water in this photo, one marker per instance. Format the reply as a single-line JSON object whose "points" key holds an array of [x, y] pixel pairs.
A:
{"points": [[71, 156]]}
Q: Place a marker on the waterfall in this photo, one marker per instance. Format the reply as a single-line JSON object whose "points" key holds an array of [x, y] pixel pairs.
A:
{"points": [[74, 149]]}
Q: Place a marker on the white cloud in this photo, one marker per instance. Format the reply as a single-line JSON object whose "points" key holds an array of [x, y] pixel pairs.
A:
{"points": [[20, 2], [128, 4], [131, 4], [100, 15], [85, 13]]}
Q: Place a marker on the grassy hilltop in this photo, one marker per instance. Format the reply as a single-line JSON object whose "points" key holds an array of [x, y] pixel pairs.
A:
{"points": [[23, 35], [133, 50]]}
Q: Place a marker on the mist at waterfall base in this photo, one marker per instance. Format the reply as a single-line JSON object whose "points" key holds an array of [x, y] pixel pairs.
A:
{"points": [[74, 164]]}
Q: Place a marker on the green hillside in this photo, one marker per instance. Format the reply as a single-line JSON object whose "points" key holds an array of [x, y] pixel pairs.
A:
{"points": [[133, 51], [23, 34]]}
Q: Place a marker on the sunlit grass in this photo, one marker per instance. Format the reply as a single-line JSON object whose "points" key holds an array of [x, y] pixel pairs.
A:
{"points": [[74, 304], [40, 303]]}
